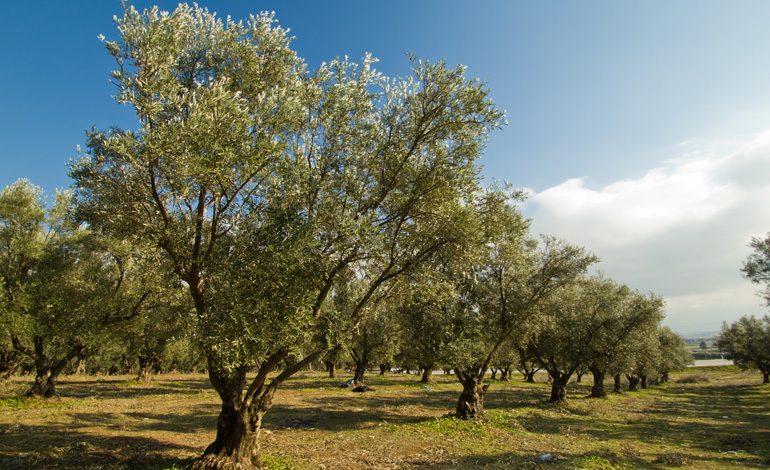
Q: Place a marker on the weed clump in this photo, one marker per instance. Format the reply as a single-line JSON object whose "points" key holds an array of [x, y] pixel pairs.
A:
{"points": [[672, 460]]}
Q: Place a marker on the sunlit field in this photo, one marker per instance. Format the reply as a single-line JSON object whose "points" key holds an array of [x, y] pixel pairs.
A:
{"points": [[715, 417]]}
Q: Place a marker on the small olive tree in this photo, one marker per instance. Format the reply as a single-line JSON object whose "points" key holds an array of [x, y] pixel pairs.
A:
{"points": [[747, 343], [756, 267]]}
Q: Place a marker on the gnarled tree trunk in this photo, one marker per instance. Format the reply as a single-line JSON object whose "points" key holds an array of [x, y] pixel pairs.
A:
{"points": [[236, 445], [427, 371], [358, 374], [145, 369], [633, 383], [529, 376], [618, 385], [470, 405], [558, 386], [46, 371], [330, 368], [643, 381], [237, 440], [597, 390]]}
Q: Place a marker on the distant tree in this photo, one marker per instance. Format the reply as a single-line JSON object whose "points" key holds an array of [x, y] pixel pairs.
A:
{"points": [[504, 361], [527, 361], [375, 340], [582, 328], [757, 266], [703, 345], [493, 290], [747, 343], [646, 360], [673, 353], [423, 321], [628, 316], [154, 330]]}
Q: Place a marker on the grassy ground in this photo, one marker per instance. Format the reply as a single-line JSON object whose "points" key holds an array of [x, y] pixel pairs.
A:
{"points": [[720, 421]]}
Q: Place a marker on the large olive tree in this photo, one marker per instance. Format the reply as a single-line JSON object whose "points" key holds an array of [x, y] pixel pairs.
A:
{"points": [[262, 183]]}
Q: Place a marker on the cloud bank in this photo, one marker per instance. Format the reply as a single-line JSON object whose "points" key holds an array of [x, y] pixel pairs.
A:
{"points": [[680, 230]]}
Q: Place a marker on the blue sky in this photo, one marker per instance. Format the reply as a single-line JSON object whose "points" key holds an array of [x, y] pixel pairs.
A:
{"points": [[596, 93]]}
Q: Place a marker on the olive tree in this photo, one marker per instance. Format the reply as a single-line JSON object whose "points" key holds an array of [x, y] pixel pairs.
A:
{"points": [[262, 183], [65, 284], [571, 323], [617, 330], [747, 343], [646, 358], [673, 353], [491, 290], [756, 267]]}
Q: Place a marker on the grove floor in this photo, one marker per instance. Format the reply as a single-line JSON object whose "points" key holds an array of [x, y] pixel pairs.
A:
{"points": [[721, 421]]}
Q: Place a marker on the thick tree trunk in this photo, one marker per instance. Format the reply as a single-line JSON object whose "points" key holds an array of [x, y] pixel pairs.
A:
{"points": [[358, 375], [236, 445], [529, 376], [494, 374], [506, 374], [42, 386], [471, 402], [633, 383], [46, 372], [145, 369], [558, 387], [578, 378], [426, 373], [329, 365], [618, 386], [9, 360], [643, 380], [766, 377], [597, 390], [384, 368], [664, 377]]}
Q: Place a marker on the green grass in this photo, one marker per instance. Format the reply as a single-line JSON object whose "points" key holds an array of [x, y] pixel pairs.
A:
{"points": [[23, 403]]}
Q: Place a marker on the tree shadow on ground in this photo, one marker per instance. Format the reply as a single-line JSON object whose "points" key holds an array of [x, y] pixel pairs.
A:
{"points": [[722, 420], [65, 447], [108, 389], [197, 418]]}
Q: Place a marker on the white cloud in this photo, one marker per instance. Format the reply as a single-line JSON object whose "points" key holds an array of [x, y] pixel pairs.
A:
{"points": [[680, 230]]}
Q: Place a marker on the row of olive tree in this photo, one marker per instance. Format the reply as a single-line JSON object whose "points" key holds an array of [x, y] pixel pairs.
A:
{"points": [[499, 296]]}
